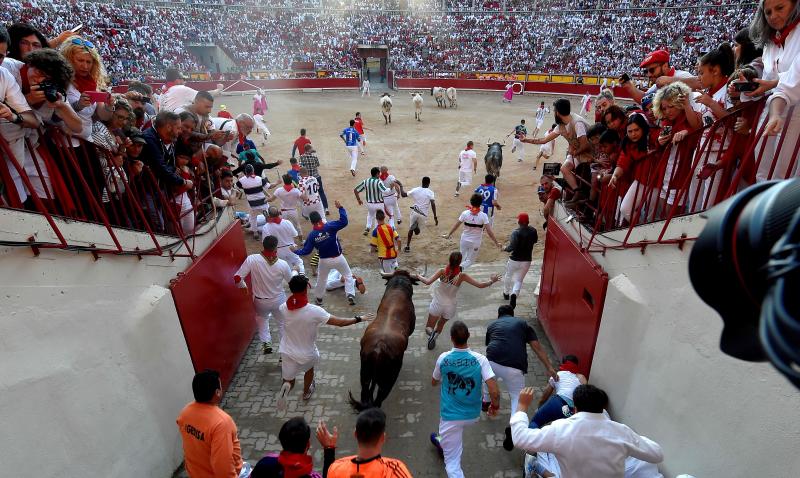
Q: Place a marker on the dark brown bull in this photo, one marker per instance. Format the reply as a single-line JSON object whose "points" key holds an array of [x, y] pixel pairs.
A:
{"points": [[385, 341]]}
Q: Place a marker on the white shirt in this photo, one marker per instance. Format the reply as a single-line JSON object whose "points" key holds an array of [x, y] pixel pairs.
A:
{"points": [[267, 280], [11, 93], [289, 199], [783, 64], [229, 126], [299, 340], [586, 444], [473, 232], [253, 187], [567, 383], [541, 112], [285, 232], [422, 198], [389, 183], [177, 96], [465, 160], [310, 187]]}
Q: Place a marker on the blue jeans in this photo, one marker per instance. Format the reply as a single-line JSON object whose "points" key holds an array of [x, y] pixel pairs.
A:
{"points": [[552, 409]]}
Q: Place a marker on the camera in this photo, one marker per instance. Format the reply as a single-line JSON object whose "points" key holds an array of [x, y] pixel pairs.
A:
{"points": [[51, 91], [746, 265], [745, 85]]}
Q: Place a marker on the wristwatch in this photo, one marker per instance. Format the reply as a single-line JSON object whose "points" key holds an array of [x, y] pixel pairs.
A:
{"points": [[17, 119], [358, 318]]}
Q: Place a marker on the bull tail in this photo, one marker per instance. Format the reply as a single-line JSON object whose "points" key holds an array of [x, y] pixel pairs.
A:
{"points": [[371, 364]]}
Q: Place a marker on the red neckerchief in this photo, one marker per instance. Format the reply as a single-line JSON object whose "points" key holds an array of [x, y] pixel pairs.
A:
{"points": [[671, 71], [288, 187], [270, 256], [722, 84], [468, 148], [569, 367], [274, 220], [473, 210], [383, 176], [85, 84], [168, 85], [295, 167], [242, 138], [295, 465], [451, 273], [318, 226], [23, 74], [779, 37], [297, 300]]}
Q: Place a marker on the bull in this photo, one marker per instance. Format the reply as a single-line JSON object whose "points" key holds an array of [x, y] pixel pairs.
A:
{"points": [[416, 98], [438, 93], [494, 158], [386, 108], [385, 341], [452, 97]]}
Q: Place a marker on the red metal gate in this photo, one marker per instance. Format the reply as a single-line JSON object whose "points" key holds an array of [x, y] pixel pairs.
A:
{"points": [[218, 321], [571, 298]]}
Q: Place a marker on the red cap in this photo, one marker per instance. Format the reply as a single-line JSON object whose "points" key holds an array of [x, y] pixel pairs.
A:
{"points": [[523, 218], [658, 56]]}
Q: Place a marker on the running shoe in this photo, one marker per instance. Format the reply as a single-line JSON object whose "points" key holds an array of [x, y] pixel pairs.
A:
{"points": [[406, 249], [366, 231], [432, 340], [436, 440], [505, 296], [311, 388], [508, 443], [282, 396], [266, 348], [318, 301], [399, 221], [351, 299], [485, 406]]}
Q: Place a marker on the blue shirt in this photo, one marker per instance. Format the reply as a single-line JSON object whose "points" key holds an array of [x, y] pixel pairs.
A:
{"points": [[488, 193], [325, 240], [350, 136], [462, 373]]}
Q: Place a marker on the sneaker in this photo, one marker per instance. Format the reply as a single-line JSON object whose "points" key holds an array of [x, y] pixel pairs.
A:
{"points": [[519, 160], [428, 331], [508, 443], [282, 396], [485, 406], [513, 149], [455, 195], [437, 442], [399, 221], [351, 299], [406, 249], [505, 296], [366, 231], [318, 301], [352, 172], [513, 302], [432, 340], [534, 168], [313, 386], [266, 348], [328, 213]]}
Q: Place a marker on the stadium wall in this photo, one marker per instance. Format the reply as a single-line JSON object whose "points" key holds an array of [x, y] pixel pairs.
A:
{"points": [[93, 347], [657, 355]]}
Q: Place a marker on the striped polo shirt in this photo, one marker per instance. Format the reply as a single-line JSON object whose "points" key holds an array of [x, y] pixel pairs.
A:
{"points": [[374, 188], [253, 187]]}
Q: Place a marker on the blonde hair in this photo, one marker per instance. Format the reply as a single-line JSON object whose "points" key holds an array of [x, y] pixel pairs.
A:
{"points": [[670, 94], [71, 50]]}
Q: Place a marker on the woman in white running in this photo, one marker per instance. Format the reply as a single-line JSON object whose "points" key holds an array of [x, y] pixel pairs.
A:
{"points": [[443, 305]]}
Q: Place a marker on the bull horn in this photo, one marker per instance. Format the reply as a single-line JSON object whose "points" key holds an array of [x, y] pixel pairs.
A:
{"points": [[385, 275]]}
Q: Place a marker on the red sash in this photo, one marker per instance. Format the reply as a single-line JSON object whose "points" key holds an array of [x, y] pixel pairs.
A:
{"points": [[387, 239]]}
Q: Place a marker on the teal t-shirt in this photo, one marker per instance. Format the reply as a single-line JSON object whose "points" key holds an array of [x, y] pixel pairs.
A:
{"points": [[462, 373]]}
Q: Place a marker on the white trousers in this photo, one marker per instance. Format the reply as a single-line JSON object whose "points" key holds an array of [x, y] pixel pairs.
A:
{"points": [[307, 210], [515, 274], [353, 157], [514, 380], [372, 208], [265, 308], [469, 252], [365, 88], [340, 264], [393, 207], [388, 265], [451, 437], [520, 148], [292, 216], [293, 259]]}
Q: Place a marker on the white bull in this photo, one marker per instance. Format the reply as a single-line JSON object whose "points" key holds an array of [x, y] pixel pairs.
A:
{"points": [[386, 108], [452, 97], [438, 93], [416, 98]]}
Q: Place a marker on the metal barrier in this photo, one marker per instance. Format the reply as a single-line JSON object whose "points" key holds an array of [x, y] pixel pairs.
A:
{"points": [[71, 178], [709, 165]]}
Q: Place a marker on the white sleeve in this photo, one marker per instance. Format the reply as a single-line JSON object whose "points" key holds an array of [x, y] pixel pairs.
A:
{"points": [[12, 94], [643, 448], [789, 84], [244, 271], [437, 370], [486, 369], [532, 439], [463, 216], [287, 271], [294, 231], [580, 129]]}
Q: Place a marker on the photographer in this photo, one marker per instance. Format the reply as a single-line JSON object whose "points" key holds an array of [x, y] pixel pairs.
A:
{"points": [[660, 73]]}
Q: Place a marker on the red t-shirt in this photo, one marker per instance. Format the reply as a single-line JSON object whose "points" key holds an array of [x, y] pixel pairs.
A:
{"points": [[359, 126], [301, 143], [554, 194]]}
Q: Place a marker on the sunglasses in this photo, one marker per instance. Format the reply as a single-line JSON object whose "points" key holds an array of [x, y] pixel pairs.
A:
{"points": [[84, 43]]}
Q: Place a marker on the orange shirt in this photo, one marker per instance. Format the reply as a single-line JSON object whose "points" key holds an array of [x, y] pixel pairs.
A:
{"points": [[377, 468], [210, 442]]}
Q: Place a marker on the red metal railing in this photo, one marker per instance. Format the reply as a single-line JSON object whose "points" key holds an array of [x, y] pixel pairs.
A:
{"points": [[87, 183], [732, 153]]}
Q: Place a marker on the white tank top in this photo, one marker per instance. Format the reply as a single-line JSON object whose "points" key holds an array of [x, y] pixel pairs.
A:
{"points": [[567, 383], [444, 293]]}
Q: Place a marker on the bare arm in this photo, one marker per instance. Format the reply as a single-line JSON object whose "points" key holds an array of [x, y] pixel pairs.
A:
{"points": [[358, 197], [433, 208], [494, 394], [453, 229], [480, 285], [542, 140], [432, 278], [490, 233], [540, 352], [338, 322], [635, 93], [583, 145], [548, 391], [548, 207]]}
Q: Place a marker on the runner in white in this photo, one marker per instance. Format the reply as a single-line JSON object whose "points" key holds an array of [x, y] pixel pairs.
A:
{"points": [[267, 273], [285, 232], [309, 187], [254, 187], [394, 188], [291, 198], [520, 131], [443, 304], [475, 222], [546, 149], [423, 198], [467, 166], [540, 112], [365, 88]]}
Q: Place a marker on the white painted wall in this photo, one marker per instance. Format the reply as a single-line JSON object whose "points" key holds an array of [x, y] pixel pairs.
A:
{"points": [[94, 363], [658, 358]]}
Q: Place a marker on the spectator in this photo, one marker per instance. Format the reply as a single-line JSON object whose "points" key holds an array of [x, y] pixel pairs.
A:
{"points": [[520, 245], [368, 462], [24, 39], [660, 73], [636, 166], [89, 76], [507, 339], [615, 119], [603, 101], [548, 194], [587, 443], [210, 441], [176, 94], [461, 373], [299, 351], [294, 460]]}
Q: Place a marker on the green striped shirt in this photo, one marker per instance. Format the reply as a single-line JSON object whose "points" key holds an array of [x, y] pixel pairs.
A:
{"points": [[374, 188]]}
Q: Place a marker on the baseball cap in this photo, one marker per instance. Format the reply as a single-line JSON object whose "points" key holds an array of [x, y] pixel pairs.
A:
{"points": [[136, 136], [658, 56], [523, 218]]}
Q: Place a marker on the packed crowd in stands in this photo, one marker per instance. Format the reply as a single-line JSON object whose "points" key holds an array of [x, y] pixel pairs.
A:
{"points": [[139, 40]]}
